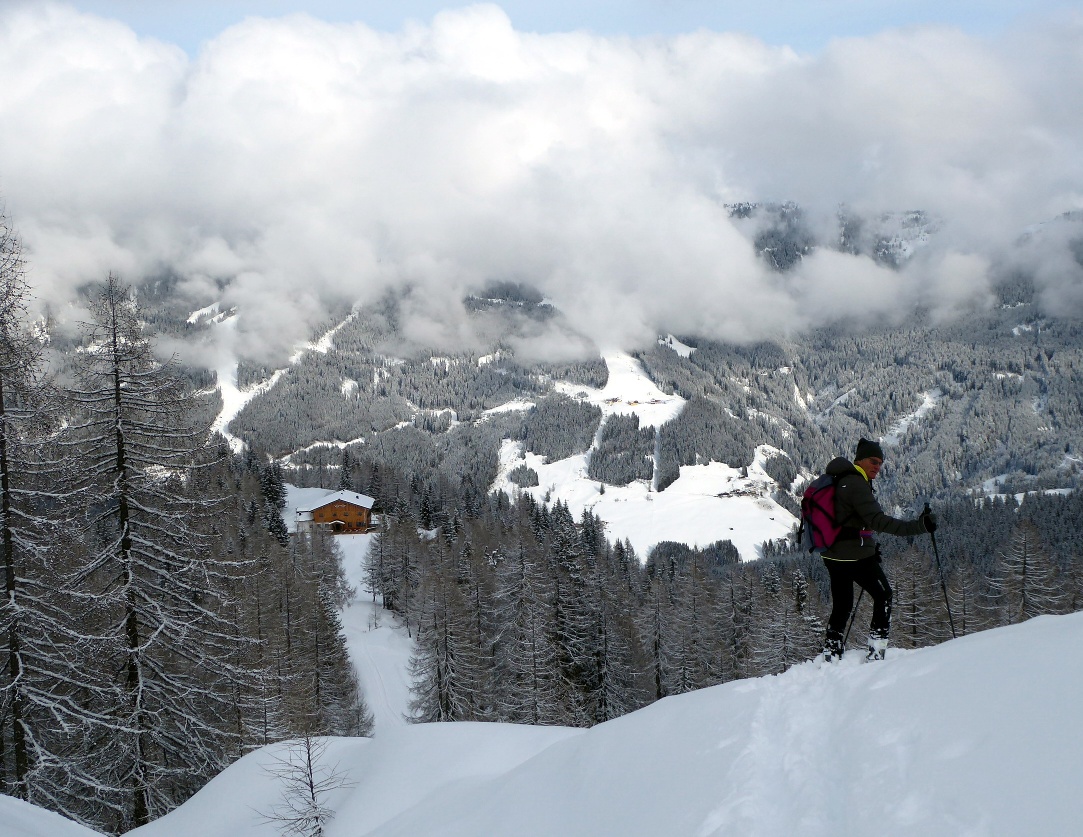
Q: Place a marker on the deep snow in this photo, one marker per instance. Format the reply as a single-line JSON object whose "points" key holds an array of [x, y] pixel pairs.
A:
{"points": [[981, 736]]}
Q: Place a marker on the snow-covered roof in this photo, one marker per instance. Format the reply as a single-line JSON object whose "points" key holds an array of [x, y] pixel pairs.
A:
{"points": [[351, 497]]}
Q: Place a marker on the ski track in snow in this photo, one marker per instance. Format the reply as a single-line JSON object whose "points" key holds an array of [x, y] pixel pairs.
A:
{"points": [[378, 645], [780, 782], [377, 676]]}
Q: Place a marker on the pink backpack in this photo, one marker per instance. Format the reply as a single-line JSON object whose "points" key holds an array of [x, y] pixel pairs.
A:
{"points": [[818, 529]]}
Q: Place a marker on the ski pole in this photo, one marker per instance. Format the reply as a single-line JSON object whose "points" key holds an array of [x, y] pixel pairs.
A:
{"points": [[940, 567], [860, 593]]}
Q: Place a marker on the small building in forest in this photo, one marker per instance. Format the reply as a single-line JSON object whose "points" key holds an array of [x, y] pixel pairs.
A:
{"points": [[339, 512]]}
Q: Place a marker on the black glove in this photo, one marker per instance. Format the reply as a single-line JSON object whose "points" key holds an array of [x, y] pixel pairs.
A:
{"points": [[928, 520]]}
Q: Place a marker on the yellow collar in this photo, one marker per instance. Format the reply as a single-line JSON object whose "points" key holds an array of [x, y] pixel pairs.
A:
{"points": [[861, 471]]}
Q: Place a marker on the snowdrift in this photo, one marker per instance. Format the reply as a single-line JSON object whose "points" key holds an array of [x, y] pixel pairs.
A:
{"points": [[979, 736]]}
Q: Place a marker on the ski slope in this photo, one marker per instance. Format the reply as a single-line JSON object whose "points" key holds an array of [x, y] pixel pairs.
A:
{"points": [[979, 737]]}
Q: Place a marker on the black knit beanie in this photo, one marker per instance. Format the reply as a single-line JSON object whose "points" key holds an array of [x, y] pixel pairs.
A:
{"points": [[866, 448]]}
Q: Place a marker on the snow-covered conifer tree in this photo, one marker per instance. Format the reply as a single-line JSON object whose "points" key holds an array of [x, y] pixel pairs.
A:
{"points": [[690, 641], [1024, 579], [917, 607], [606, 645], [527, 686], [787, 632], [972, 606], [325, 684], [157, 591], [445, 667], [39, 720], [654, 622], [305, 780]]}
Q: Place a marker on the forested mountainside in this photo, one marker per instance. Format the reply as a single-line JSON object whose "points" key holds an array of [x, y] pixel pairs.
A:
{"points": [[981, 395], [990, 396]]}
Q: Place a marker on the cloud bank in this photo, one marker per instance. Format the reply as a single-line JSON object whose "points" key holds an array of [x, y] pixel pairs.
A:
{"points": [[305, 165]]}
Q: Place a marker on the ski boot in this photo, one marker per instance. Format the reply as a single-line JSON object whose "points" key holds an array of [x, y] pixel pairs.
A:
{"points": [[877, 646], [833, 647]]}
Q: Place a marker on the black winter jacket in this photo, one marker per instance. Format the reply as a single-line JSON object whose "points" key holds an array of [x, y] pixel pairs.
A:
{"points": [[858, 512]]}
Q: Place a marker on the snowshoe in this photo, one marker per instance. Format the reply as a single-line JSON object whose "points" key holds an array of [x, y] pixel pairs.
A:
{"points": [[833, 648], [877, 648]]}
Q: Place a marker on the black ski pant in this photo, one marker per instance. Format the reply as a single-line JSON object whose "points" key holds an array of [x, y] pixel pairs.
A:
{"points": [[869, 576]]}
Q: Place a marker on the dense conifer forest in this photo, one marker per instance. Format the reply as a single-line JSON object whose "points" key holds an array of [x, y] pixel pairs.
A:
{"points": [[524, 614]]}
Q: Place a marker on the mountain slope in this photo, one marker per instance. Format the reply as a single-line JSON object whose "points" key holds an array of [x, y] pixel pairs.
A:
{"points": [[707, 503], [978, 736]]}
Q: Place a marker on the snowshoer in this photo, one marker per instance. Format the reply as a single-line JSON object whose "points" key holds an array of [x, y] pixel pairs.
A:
{"points": [[854, 557]]}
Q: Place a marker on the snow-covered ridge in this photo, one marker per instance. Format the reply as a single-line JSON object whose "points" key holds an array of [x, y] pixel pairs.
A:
{"points": [[978, 736], [676, 345], [207, 312], [324, 343]]}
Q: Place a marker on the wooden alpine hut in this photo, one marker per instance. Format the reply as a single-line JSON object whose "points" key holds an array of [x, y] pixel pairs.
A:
{"points": [[340, 512]]}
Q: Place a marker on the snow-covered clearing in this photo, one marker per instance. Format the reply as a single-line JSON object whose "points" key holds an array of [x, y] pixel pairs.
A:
{"points": [[707, 503], [980, 736], [676, 345], [628, 390], [991, 490], [378, 644]]}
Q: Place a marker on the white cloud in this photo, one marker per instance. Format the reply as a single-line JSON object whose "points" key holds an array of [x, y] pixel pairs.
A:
{"points": [[313, 164]]}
